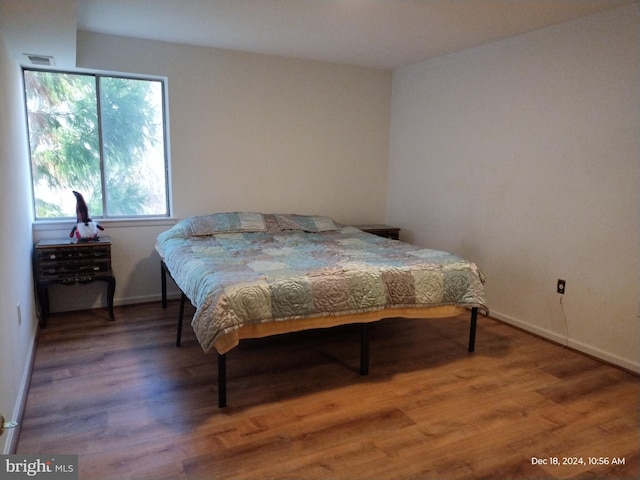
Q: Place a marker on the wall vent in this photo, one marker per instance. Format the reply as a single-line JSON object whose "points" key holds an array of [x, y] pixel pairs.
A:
{"points": [[39, 60]]}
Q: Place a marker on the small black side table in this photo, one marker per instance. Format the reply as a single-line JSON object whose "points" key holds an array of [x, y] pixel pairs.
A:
{"points": [[65, 261], [386, 231]]}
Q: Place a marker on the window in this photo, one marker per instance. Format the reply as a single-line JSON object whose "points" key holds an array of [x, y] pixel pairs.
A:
{"points": [[103, 136]]}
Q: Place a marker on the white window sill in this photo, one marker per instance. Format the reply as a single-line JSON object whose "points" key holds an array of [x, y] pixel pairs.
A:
{"points": [[45, 225]]}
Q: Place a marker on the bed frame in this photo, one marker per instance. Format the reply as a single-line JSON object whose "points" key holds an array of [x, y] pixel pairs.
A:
{"points": [[289, 326]]}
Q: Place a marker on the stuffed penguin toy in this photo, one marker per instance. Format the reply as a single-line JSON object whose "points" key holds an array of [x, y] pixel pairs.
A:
{"points": [[86, 229]]}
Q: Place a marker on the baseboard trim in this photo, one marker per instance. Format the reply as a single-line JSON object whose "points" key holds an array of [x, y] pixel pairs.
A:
{"points": [[117, 301], [11, 442], [581, 347], [145, 298]]}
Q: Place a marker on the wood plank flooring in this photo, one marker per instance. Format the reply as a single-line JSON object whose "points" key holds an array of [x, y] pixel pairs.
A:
{"points": [[132, 405]]}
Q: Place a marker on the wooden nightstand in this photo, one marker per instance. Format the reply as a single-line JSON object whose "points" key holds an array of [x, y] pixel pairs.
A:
{"points": [[386, 231], [63, 261]]}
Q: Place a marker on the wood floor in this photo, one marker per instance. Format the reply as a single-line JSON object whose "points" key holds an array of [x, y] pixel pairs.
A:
{"points": [[132, 405]]}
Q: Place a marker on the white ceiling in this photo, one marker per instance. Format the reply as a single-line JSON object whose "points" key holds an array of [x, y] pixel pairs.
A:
{"points": [[374, 33]]}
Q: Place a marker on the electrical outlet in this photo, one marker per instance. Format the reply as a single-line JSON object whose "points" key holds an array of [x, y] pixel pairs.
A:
{"points": [[19, 315], [561, 286]]}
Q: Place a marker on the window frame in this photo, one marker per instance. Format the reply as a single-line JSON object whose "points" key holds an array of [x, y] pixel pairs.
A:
{"points": [[113, 220]]}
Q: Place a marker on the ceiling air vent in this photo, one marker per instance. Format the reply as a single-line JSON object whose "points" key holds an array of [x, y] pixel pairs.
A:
{"points": [[39, 60]]}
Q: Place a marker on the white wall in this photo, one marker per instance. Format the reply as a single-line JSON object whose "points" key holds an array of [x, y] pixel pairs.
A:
{"points": [[41, 27], [523, 155], [16, 339], [258, 132], [248, 132]]}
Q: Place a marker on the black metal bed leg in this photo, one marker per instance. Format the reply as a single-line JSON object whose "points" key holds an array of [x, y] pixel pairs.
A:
{"points": [[180, 318], [364, 349], [472, 329], [163, 278], [222, 380], [111, 288]]}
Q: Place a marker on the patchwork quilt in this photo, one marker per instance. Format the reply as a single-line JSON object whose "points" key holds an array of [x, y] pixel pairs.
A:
{"points": [[242, 268]]}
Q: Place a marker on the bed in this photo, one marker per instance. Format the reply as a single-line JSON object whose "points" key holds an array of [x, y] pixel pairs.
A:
{"points": [[252, 275]]}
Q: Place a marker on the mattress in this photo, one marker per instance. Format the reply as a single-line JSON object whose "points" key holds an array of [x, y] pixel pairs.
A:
{"points": [[245, 270]]}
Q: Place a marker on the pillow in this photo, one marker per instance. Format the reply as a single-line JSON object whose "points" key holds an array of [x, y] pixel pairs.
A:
{"points": [[307, 223], [232, 222]]}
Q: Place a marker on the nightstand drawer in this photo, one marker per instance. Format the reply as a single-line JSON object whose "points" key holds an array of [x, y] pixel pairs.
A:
{"points": [[72, 269], [65, 254]]}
